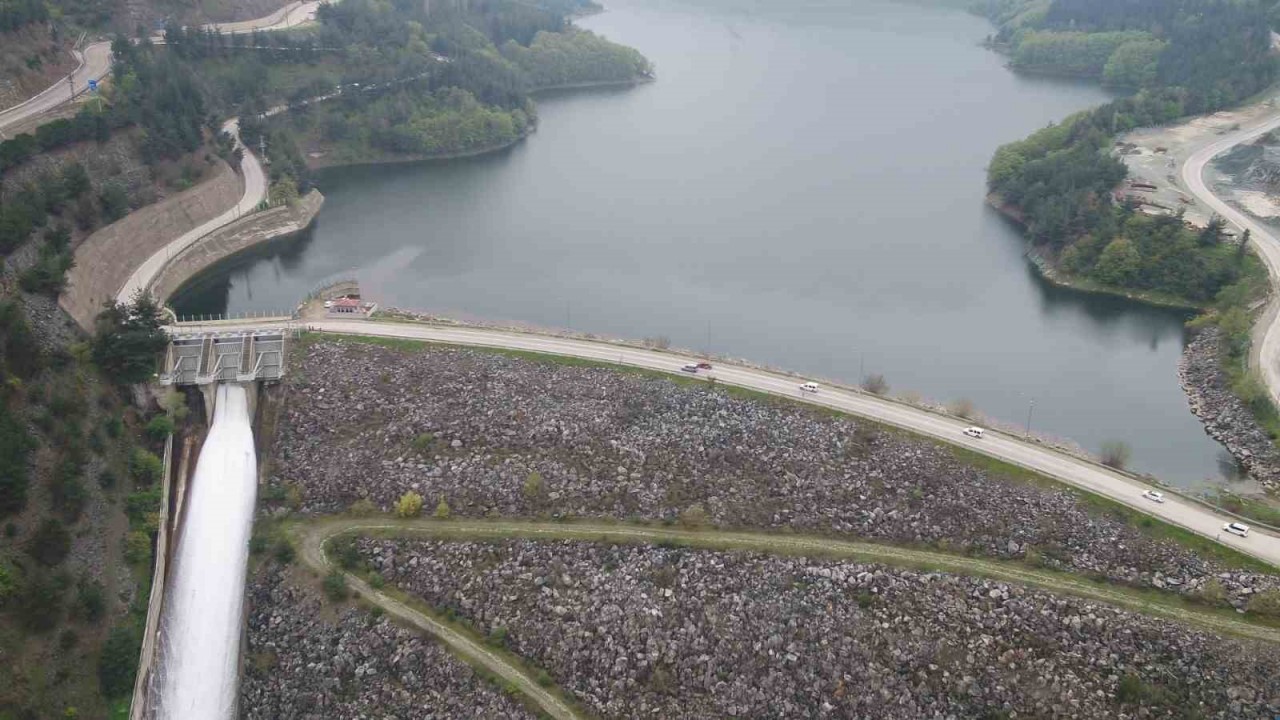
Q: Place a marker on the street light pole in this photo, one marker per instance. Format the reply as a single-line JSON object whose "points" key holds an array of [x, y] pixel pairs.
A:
{"points": [[1031, 405]]}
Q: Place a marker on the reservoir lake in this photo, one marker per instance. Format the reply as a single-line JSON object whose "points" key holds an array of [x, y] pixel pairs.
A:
{"points": [[802, 187]]}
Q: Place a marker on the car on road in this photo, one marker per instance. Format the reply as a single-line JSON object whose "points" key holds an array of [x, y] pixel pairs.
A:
{"points": [[974, 432], [809, 387], [689, 367], [328, 304], [1154, 496], [704, 365], [1236, 528]]}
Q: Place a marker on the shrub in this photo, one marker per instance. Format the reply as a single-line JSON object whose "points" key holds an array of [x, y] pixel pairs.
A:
{"points": [[1266, 603], [423, 443], [364, 507], [346, 553], [39, 602], [66, 490], [16, 445], [533, 486], [335, 586], [145, 467], [50, 543], [875, 384], [442, 509], [141, 505], [498, 637], [409, 505], [544, 679], [118, 662], [1115, 454], [1211, 593], [137, 547], [91, 601], [174, 403], [284, 552], [694, 516], [159, 428], [376, 581]]}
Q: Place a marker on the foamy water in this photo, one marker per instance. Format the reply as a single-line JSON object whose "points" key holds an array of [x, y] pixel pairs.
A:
{"points": [[200, 636]]}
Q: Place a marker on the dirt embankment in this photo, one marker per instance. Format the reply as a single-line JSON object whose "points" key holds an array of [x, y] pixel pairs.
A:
{"points": [[32, 59]]}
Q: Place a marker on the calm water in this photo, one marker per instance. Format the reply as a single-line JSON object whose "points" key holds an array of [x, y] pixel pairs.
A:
{"points": [[803, 186]]}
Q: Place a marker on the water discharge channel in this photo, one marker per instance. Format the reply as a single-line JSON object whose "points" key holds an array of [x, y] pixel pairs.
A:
{"points": [[200, 631]]}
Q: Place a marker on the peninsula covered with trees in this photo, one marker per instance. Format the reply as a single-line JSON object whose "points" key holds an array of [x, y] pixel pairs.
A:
{"points": [[1180, 58]]}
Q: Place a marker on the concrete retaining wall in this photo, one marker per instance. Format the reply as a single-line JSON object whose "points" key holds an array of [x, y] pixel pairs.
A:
{"points": [[106, 259], [233, 238]]}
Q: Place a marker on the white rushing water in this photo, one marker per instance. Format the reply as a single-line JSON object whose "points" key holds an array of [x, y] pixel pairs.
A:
{"points": [[200, 636]]}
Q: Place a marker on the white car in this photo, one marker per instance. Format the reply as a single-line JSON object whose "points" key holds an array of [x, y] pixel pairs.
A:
{"points": [[1154, 496], [974, 432], [809, 387], [1236, 528], [328, 304], [689, 367]]}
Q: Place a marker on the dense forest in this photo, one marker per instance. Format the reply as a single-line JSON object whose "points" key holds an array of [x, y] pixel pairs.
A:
{"points": [[1185, 57]]}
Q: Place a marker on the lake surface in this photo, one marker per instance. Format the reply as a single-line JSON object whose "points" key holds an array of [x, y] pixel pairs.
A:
{"points": [[803, 187]]}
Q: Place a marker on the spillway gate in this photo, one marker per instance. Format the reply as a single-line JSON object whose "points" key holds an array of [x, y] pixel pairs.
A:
{"points": [[206, 358]]}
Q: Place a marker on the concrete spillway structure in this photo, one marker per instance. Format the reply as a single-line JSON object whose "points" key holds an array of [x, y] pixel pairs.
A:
{"points": [[204, 605]]}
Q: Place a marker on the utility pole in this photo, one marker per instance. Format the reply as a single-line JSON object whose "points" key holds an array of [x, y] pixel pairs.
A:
{"points": [[1030, 406]]}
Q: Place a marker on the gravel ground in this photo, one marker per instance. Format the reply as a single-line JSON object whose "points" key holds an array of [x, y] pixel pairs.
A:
{"points": [[367, 422], [643, 631], [303, 661]]}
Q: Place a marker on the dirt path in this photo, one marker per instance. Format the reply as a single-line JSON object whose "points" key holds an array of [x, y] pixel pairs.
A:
{"points": [[312, 536]]}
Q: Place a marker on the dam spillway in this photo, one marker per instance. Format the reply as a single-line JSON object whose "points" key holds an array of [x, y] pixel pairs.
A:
{"points": [[201, 624]]}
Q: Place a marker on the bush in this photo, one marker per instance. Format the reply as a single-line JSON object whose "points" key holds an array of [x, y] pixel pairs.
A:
{"points": [[16, 445], [335, 586], [694, 516], [145, 467], [1211, 593], [409, 505], [1115, 454], [875, 384], [118, 663], [1266, 603], [137, 547], [346, 553], [159, 428], [364, 507], [498, 637], [442, 509], [533, 486], [284, 552], [39, 602], [423, 443], [91, 601], [66, 490], [50, 544]]}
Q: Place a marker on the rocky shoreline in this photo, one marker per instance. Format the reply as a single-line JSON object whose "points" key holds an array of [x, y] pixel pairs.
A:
{"points": [[644, 631], [1225, 416]]}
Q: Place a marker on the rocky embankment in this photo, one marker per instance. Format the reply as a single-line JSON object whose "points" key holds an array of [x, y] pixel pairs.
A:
{"points": [[304, 660], [642, 631], [1225, 416], [498, 435]]}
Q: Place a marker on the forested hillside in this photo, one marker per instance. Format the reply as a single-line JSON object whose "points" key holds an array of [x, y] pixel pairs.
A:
{"points": [[1184, 57]]}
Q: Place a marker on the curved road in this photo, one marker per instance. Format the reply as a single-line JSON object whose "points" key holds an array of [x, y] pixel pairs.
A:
{"points": [[1008, 448], [255, 191], [95, 61], [1266, 351]]}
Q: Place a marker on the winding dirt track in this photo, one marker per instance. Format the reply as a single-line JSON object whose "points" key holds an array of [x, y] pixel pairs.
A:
{"points": [[312, 536]]}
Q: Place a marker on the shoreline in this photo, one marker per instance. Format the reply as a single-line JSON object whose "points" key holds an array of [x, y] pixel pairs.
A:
{"points": [[633, 82], [1052, 275], [321, 164]]}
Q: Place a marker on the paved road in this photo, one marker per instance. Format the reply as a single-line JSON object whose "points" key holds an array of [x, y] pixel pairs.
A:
{"points": [[312, 543], [313, 534], [1266, 336], [1066, 468], [255, 191], [95, 62]]}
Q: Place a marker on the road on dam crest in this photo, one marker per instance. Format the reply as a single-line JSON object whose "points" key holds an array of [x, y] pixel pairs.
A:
{"points": [[1069, 469]]}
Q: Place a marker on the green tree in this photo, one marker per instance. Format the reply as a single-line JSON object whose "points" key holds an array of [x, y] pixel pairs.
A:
{"points": [[1119, 264], [409, 505], [128, 340]]}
